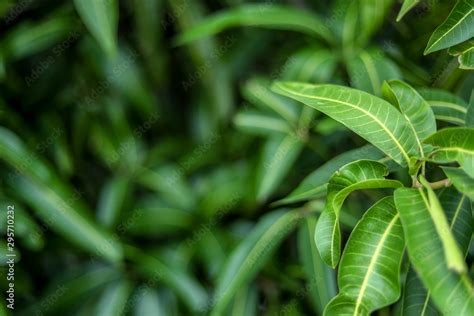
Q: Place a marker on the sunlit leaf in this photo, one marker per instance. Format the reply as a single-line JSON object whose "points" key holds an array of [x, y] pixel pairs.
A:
{"points": [[455, 29], [372, 118], [406, 6]]}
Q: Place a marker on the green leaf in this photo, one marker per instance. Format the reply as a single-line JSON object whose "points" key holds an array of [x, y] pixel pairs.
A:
{"points": [[415, 109], [257, 92], [262, 124], [470, 111], [358, 175], [149, 302], [251, 254], [406, 6], [454, 144], [321, 280], [369, 271], [369, 69], [456, 29], [185, 286], [454, 257], [461, 180], [111, 201], [374, 119], [417, 300], [113, 300], [446, 106], [263, 15], [451, 292], [315, 184], [101, 19], [312, 64], [465, 53], [279, 154], [245, 302], [54, 202]]}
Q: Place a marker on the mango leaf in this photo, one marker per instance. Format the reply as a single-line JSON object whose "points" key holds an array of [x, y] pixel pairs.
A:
{"points": [[262, 124], [470, 112], [369, 271], [456, 29], [372, 118], [101, 19], [54, 202], [446, 106], [451, 292], [111, 201], [465, 53], [245, 302], [279, 154], [113, 300], [257, 91], [149, 302], [369, 69], [321, 280], [263, 15], [185, 286], [373, 14], [461, 180], [454, 257], [417, 300], [406, 6], [251, 254], [454, 144], [357, 175], [315, 184], [415, 109], [312, 64]]}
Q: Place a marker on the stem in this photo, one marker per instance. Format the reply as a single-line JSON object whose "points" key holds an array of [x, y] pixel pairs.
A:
{"points": [[434, 185]]}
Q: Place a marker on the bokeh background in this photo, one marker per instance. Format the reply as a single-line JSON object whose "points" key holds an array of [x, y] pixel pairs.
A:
{"points": [[141, 145]]}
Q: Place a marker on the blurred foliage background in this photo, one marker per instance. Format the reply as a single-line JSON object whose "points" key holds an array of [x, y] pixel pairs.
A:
{"points": [[145, 158]]}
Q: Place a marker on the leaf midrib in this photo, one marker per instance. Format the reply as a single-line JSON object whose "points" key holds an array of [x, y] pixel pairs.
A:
{"points": [[373, 261], [390, 134]]}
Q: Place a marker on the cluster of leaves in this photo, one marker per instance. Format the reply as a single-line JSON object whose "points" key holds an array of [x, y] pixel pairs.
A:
{"points": [[208, 201]]}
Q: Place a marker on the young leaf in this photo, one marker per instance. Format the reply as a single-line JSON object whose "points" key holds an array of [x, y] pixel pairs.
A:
{"points": [[251, 254], [369, 271], [452, 292], [454, 257], [415, 109], [369, 69], [446, 106], [279, 154], [470, 111], [456, 29], [270, 16], [374, 119], [101, 18], [321, 279], [315, 184], [406, 6], [454, 144], [358, 175], [461, 180]]}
